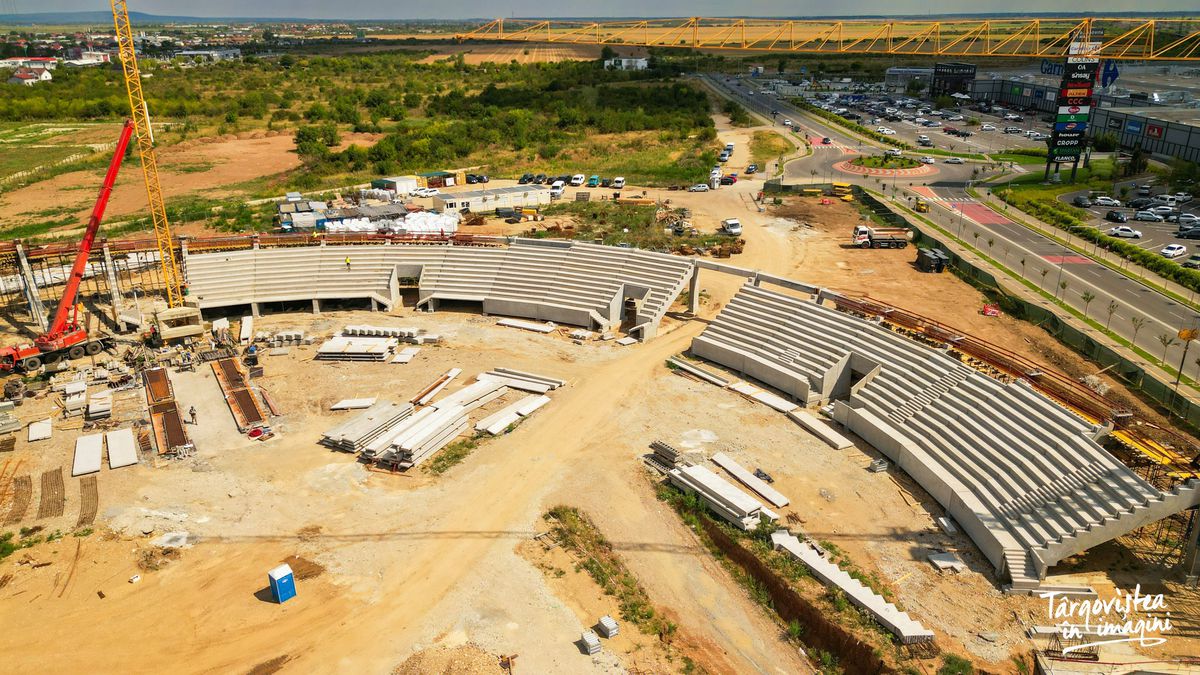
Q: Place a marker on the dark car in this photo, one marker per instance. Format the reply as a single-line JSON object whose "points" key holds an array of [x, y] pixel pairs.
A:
{"points": [[728, 180], [1140, 203], [753, 168], [826, 141], [539, 179], [605, 182], [472, 179], [1082, 201], [1116, 217], [1191, 233], [526, 178]]}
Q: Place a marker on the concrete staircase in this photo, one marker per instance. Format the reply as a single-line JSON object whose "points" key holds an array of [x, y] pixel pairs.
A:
{"points": [[916, 403], [907, 629]]}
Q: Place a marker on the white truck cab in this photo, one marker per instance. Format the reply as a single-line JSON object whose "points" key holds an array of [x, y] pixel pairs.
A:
{"points": [[731, 226]]}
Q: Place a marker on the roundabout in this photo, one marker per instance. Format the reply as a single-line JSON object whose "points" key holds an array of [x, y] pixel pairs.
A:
{"points": [[854, 167]]}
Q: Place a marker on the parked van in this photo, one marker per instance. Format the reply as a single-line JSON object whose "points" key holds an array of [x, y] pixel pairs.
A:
{"points": [[1169, 200], [618, 182], [556, 189], [731, 226]]}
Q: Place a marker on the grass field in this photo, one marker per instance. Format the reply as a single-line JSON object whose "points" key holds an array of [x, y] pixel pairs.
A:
{"points": [[767, 146]]}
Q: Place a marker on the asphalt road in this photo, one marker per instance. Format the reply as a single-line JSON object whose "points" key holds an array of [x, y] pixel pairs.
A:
{"points": [[1036, 257]]}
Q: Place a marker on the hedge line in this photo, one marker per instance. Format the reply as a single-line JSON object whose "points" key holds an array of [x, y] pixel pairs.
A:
{"points": [[852, 126], [1067, 218]]}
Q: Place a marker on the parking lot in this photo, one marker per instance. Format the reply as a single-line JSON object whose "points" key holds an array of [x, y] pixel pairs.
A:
{"points": [[1154, 235]]}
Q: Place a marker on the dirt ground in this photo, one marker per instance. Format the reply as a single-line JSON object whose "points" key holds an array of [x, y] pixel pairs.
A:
{"points": [[205, 167], [424, 573]]}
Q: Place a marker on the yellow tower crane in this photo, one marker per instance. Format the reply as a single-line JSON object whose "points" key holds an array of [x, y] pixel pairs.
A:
{"points": [[145, 145], [175, 320]]}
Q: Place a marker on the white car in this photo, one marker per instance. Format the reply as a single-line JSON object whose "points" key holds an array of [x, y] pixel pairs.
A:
{"points": [[425, 192], [987, 127], [953, 160], [577, 180], [955, 118], [1012, 117], [886, 131], [926, 160], [893, 152], [1104, 200], [1162, 210], [618, 182], [1182, 197], [1125, 231], [1187, 220], [699, 187], [920, 120], [1173, 251], [787, 123]]}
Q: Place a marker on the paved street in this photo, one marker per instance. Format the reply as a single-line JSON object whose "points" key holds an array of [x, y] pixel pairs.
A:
{"points": [[1045, 262]]}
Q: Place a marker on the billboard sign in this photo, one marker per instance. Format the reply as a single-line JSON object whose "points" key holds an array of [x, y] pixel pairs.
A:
{"points": [[1154, 131], [1070, 126], [1080, 117], [1074, 104], [1133, 126]]}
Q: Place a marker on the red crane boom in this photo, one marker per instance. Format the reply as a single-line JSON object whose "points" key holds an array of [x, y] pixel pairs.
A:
{"points": [[64, 333], [64, 329]]}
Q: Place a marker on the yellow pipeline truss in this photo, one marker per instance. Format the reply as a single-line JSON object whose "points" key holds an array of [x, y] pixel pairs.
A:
{"points": [[1159, 39], [145, 143]]}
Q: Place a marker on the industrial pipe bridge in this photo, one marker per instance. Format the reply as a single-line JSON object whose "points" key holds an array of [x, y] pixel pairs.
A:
{"points": [[1143, 39]]}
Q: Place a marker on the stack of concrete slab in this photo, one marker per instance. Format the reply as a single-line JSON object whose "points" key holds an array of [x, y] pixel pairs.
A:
{"points": [[246, 332], [591, 643], [405, 355], [905, 628], [547, 327], [286, 338], [430, 430], [8, 421], [356, 349], [720, 495], [666, 455], [750, 480], [357, 433], [517, 379], [74, 400], [426, 395], [353, 404], [381, 331], [498, 422], [608, 627], [472, 396]]}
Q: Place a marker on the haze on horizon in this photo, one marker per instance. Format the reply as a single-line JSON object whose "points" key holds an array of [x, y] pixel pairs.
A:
{"points": [[461, 9]]}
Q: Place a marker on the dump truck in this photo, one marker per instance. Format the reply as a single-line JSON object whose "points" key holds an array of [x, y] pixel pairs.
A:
{"points": [[866, 236]]}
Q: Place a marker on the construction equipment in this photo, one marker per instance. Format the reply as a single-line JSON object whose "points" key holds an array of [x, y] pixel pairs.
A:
{"points": [[866, 236], [175, 320], [65, 335]]}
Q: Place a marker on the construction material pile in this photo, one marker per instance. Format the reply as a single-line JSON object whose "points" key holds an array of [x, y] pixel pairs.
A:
{"points": [[360, 431], [374, 343]]}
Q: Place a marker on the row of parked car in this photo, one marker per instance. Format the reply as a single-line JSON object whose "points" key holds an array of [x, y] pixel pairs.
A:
{"points": [[577, 180]]}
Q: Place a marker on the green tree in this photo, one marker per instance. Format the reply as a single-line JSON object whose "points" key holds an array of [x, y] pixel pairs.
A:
{"points": [[1087, 298], [914, 87], [1111, 309], [1166, 340], [1137, 322]]}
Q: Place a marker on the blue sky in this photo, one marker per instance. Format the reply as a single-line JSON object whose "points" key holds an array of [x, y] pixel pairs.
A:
{"points": [[455, 9]]}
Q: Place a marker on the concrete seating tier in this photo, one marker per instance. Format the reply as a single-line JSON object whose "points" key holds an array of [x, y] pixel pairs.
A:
{"points": [[1024, 476], [561, 281]]}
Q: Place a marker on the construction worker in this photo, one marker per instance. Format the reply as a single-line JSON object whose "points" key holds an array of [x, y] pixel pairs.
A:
{"points": [[192, 414], [347, 262]]}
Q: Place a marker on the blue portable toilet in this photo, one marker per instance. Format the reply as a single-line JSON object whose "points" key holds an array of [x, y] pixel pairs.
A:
{"points": [[283, 583]]}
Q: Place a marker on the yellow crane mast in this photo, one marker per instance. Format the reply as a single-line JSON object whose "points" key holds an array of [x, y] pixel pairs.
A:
{"points": [[145, 145]]}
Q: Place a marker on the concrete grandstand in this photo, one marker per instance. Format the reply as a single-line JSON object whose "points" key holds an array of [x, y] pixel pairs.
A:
{"points": [[1025, 477]]}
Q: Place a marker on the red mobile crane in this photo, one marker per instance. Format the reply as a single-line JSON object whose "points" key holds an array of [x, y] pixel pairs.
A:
{"points": [[65, 335]]}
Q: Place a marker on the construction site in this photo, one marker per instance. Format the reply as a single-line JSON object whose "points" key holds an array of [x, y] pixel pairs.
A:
{"points": [[503, 450]]}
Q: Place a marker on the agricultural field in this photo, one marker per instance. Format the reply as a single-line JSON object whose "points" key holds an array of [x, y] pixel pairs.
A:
{"points": [[228, 133]]}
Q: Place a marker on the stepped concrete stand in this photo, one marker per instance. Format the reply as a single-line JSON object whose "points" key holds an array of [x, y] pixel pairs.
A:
{"points": [[586, 285], [888, 616], [725, 500], [1024, 477]]}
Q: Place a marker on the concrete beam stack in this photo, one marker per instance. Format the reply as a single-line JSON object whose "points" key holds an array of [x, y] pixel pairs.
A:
{"points": [[725, 500], [357, 433]]}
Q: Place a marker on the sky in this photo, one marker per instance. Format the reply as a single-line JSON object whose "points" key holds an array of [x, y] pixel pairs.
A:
{"points": [[457, 9]]}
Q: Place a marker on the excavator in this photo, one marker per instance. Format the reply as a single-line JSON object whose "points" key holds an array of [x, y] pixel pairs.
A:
{"points": [[66, 336]]}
